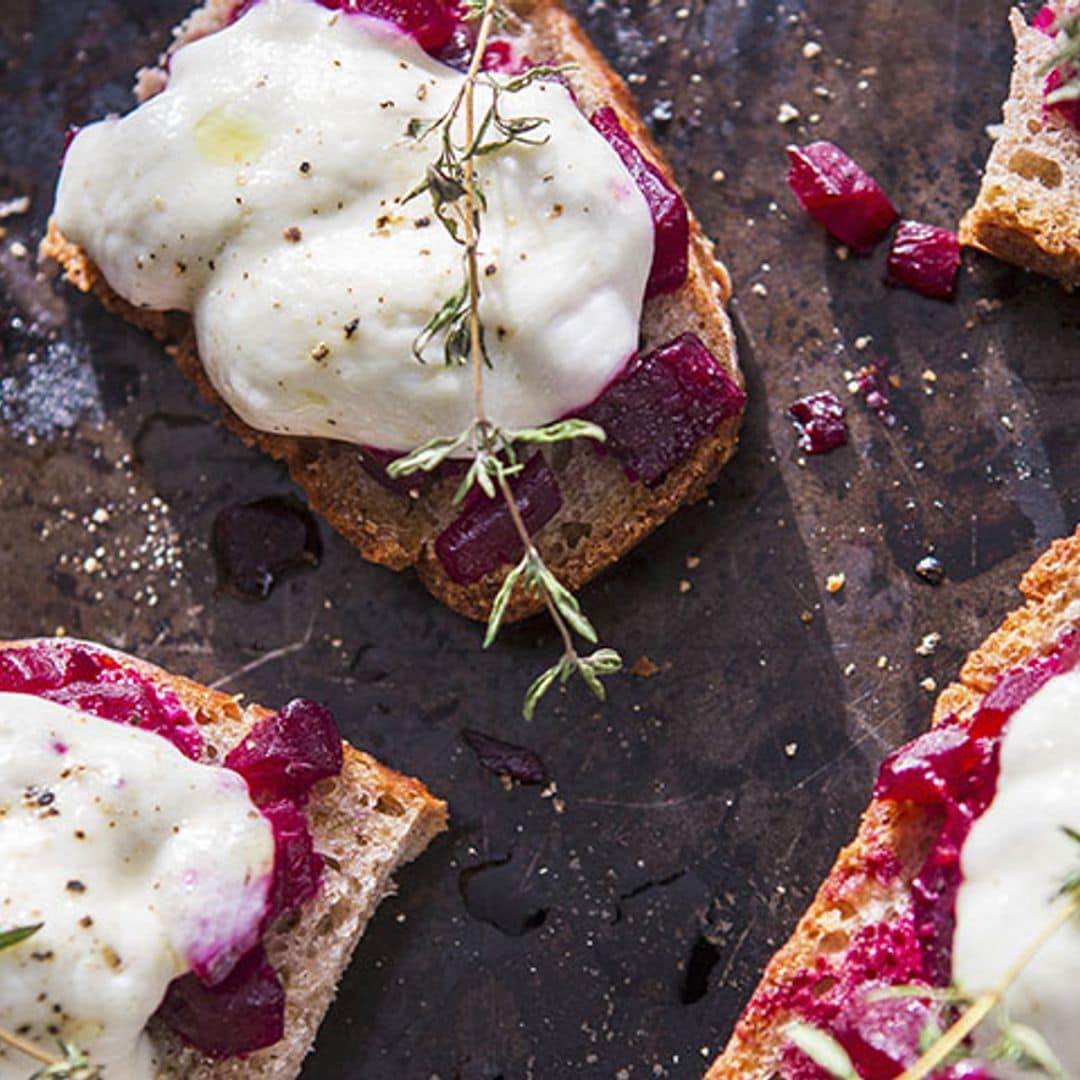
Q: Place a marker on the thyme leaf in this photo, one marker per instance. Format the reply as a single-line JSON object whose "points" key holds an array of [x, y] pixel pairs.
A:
{"points": [[10, 938], [823, 1050], [1024, 1047], [75, 1065]]}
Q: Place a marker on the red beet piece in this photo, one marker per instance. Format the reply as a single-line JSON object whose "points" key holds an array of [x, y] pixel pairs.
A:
{"points": [[506, 759], [837, 193], [671, 223], [483, 536], [1069, 111], [662, 405], [297, 868], [82, 677], [243, 1013], [881, 1037], [284, 755], [431, 22], [925, 258], [1045, 21], [820, 420]]}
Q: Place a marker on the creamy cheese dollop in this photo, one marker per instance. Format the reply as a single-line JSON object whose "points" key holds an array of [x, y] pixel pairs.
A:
{"points": [[134, 858], [262, 191], [1014, 861]]}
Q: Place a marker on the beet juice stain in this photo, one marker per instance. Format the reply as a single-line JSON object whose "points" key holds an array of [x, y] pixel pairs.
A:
{"points": [[257, 543]]}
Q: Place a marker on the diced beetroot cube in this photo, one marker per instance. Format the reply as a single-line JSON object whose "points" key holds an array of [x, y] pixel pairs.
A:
{"points": [[431, 22], [1067, 110], [671, 222], [1045, 21], [925, 258], [483, 536], [821, 423], [837, 193], [297, 868], [243, 1013], [662, 405], [284, 755]]}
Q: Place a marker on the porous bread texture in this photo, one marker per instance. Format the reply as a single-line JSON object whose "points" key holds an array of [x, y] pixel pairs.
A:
{"points": [[603, 515], [1028, 209], [852, 896], [367, 822]]}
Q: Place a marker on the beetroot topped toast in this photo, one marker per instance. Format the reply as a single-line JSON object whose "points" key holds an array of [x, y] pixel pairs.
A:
{"points": [[954, 872], [634, 339]]}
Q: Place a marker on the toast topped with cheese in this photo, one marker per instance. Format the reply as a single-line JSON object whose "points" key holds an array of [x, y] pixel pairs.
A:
{"points": [[959, 866], [184, 878], [258, 214]]}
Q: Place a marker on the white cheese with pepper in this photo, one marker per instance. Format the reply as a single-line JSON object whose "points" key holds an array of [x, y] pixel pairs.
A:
{"points": [[1014, 862], [135, 860], [263, 191]]}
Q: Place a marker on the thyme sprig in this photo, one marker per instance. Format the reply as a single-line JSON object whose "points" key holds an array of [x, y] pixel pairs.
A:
{"points": [[1017, 1044], [1066, 60], [458, 202], [74, 1064]]}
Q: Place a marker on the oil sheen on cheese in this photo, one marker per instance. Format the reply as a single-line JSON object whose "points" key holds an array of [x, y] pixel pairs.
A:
{"points": [[134, 858], [1014, 862], [263, 189]]}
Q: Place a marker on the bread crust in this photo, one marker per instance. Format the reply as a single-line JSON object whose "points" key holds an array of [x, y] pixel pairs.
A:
{"points": [[1027, 208], [368, 821], [852, 895], [604, 514]]}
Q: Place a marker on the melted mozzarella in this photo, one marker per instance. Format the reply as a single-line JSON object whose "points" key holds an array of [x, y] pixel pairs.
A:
{"points": [[1014, 862], [262, 191], [134, 858]]}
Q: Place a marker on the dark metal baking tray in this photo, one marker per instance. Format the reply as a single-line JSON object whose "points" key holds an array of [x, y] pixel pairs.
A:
{"points": [[614, 926]]}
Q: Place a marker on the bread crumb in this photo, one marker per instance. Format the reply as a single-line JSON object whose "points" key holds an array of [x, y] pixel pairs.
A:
{"points": [[644, 667], [787, 113], [863, 342], [811, 50], [18, 249], [849, 670], [685, 586], [928, 685], [693, 562], [758, 289], [791, 749], [842, 252], [835, 582], [13, 207], [929, 375], [807, 617], [882, 662], [719, 176], [929, 644]]}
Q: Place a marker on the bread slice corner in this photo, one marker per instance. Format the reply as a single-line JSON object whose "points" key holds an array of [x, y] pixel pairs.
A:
{"points": [[853, 896], [1028, 207]]}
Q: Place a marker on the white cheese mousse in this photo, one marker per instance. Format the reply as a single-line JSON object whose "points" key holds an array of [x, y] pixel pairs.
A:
{"points": [[133, 858], [1014, 862], [262, 191]]}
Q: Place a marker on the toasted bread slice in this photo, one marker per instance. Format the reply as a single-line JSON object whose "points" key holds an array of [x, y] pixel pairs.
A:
{"points": [[367, 822], [603, 513], [853, 895], [1029, 203]]}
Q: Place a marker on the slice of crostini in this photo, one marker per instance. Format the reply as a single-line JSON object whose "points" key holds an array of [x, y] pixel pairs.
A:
{"points": [[258, 222], [957, 868], [196, 871]]}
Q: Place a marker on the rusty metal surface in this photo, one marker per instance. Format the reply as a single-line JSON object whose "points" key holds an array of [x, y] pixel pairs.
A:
{"points": [[614, 926]]}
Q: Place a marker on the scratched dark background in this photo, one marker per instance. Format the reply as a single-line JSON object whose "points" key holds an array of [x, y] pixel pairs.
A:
{"points": [[612, 927]]}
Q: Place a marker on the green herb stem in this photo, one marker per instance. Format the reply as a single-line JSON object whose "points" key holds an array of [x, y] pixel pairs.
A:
{"points": [[984, 1004]]}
